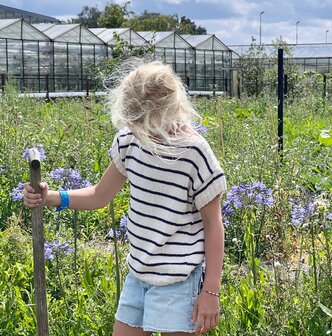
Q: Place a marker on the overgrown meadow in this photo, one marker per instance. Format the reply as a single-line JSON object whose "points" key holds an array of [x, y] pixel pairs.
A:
{"points": [[277, 213]]}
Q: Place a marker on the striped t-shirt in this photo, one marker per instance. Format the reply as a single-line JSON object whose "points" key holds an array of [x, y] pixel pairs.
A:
{"points": [[165, 228]]}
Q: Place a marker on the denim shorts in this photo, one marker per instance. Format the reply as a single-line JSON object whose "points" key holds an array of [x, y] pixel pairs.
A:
{"points": [[159, 308]]}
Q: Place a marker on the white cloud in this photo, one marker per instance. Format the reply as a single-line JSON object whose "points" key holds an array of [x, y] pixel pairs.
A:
{"points": [[120, 2], [217, 2], [241, 30], [175, 2], [15, 3]]}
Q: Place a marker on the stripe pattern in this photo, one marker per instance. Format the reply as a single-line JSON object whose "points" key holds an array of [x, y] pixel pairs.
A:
{"points": [[165, 228]]}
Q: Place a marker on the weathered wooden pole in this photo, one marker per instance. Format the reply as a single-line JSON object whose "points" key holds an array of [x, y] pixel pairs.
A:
{"points": [[38, 248]]}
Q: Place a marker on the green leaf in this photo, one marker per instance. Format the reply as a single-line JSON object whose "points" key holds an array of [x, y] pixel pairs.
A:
{"points": [[242, 112], [326, 310], [325, 137]]}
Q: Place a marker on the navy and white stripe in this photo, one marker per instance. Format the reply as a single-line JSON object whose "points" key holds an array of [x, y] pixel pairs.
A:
{"points": [[165, 228]]}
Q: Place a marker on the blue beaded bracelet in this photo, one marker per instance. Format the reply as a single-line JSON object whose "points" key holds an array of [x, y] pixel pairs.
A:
{"points": [[64, 196]]}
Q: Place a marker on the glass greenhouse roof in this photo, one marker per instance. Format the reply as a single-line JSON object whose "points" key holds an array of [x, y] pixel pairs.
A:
{"points": [[312, 50], [127, 34], [297, 50], [74, 33], [165, 39], [21, 30], [205, 42], [15, 13]]}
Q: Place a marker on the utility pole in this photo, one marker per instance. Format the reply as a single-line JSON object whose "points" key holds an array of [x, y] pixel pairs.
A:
{"points": [[297, 32], [260, 27]]}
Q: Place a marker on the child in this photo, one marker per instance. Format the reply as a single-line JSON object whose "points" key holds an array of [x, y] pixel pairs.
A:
{"points": [[174, 218]]}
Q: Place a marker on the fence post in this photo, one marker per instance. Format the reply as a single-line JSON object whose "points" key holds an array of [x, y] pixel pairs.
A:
{"points": [[324, 90], [47, 86], [280, 102], [3, 82], [38, 248], [87, 87], [214, 86]]}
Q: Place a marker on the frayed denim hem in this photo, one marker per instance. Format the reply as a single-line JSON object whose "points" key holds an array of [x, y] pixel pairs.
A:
{"points": [[128, 323], [147, 328]]}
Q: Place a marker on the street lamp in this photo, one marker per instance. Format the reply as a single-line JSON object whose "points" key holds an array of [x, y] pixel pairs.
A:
{"points": [[297, 32], [260, 27], [326, 36]]}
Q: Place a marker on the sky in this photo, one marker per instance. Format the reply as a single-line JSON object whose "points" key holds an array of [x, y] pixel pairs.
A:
{"points": [[234, 22]]}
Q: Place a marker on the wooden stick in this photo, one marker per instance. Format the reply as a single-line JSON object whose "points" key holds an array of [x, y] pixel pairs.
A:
{"points": [[38, 248]]}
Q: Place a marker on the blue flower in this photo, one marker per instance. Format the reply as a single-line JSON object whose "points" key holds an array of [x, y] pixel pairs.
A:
{"points": [[123, 222], [247, 196], [69, 178], [121, 232], [57, 249], [40, 149], [329, 216], [110, 151], [302, 213], [2, 168], [110, 234], [17, 193], [200, 128]]}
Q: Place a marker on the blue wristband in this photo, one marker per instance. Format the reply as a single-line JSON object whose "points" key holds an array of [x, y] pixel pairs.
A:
{"points": [[64, 200]]}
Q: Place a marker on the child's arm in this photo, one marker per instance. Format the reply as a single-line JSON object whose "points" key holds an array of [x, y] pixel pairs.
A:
{"points": [[206, 312], [89, 198]]}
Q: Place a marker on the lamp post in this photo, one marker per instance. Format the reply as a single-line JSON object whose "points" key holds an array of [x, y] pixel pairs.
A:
{"points": [[260, 27], [326, 36], [297, 32]]}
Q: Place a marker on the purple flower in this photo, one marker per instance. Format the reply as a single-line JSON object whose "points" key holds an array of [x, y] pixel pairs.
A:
{"points": [[57, 249], [123, 222], [247, 196], [40, 149], [110, 234], [200, 128], [121, 232], [110, 151], [69, 178], [302, 213], [329, 216], [226, 222], [17, 193], [2, 168]]}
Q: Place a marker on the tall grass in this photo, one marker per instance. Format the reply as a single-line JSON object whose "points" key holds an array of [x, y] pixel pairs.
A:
{"points": [[277, 272]]}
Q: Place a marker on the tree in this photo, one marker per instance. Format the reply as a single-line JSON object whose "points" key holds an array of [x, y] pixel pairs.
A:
{"points": [[254, 64], [114, 15], [88, 17], [260, 68], [186, 26], [117, 16], [150, 21]]}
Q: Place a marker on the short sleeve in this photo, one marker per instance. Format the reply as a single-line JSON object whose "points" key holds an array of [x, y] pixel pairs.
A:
{"points": [[211, 181], [118, 152], [210, 188]]}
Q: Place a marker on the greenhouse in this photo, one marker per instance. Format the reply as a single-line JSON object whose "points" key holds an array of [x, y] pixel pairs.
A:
{"points": [[53, 57], [7, 12], [310, 57], [126, 34]]}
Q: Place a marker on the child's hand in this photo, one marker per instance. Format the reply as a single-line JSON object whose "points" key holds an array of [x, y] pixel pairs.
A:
{"points": [[31, 198], [206, 312]]}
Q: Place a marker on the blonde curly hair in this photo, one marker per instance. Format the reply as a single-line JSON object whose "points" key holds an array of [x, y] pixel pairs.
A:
{"points": [[153, 103]]}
